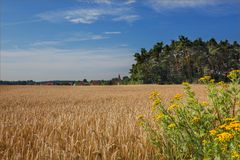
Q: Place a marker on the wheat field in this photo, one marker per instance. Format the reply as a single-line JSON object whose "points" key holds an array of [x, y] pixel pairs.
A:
{"points": [[78, 122]]}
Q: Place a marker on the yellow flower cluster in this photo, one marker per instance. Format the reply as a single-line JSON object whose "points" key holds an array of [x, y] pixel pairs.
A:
{"points": [[229, 119], [213, 132], [233, 74], [154, 95], [226, 132], [158, 116], [221, 83], [178, 96], [155, 103], [235, 154], [173, 106], [185, 83], [212, 80], [195, 120], [225, 136], [171, 125], [205, 78], [204, 104], [235, 125], [236, 71]]}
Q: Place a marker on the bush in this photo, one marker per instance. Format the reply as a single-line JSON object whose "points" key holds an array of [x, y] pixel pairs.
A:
{"points": [[189, 129]]}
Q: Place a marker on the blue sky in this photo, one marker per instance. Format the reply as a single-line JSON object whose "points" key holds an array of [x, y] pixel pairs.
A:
{"points": [[96, 39]]}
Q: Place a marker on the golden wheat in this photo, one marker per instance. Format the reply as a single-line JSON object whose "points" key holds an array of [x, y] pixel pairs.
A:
{"points": [[86, 123]]}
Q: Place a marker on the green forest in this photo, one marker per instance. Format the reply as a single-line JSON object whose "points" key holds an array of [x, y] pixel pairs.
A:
{"points": [[185, 60]]}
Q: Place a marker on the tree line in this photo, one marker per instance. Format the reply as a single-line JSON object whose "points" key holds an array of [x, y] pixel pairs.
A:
{"points": [[185, 60], [114, 81]]}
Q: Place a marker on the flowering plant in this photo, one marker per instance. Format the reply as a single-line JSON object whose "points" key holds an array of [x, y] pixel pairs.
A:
{"points": [[190, 129]]}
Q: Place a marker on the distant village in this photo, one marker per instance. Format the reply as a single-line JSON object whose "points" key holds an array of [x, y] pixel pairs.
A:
{"points": [[114, 81]]}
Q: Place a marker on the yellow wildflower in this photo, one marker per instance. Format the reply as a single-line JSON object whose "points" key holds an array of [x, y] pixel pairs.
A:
{"points": [[213, 132], [205, 78], [229, 119], [236, 71], [237, 129], [156, 102], [171, 125], [159, 116], [195, 119], [235, 154], [201, 79], [233, 125], [178, 96], [222, 126], [221, 83], [204, 103], [173, 106], [212, 80], [185, 83], [225, 136], [154, 95], [233, 74]]}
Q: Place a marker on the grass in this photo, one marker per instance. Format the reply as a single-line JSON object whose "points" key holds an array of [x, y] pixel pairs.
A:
{"points": [[66, 122]]}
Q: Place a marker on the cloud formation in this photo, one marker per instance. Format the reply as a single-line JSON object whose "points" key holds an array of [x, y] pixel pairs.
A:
{"points": [[159, 5], [76, 37], [127, 10], [90, 15], [122, 11], [127, 18]]}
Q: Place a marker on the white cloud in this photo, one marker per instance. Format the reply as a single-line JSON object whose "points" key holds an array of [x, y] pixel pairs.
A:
{"points": [[103, 1], [181, 3], [88, 15], [73, 64], [127, 18], [96, 1], [127, 2], [46, 43], [110, 33], [159, 5], [130, 1], [85, 20], [78, 37]]}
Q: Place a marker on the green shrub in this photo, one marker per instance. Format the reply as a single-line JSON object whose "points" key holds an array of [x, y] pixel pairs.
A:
{"points": [[189, 129]]}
